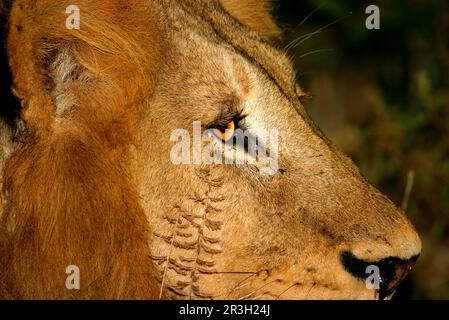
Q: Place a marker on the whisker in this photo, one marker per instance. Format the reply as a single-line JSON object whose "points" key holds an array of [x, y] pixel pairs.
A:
{"points": [[307, 18], [300, 24], [250, 294], [239, 287], [166, 267], [313, 52], [306, 37], [261, 295], [244, 280], [292, 286], [310, 289]]}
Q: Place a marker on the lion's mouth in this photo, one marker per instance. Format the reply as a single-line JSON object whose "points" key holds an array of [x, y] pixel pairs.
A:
{"points": [[391, 272]]}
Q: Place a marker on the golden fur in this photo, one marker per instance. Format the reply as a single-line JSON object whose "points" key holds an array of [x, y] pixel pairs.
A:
{"points": [[90, 181], [71, 199]]}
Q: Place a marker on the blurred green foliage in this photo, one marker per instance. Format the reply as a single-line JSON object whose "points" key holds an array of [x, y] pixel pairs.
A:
{"points": [[382, 96]]}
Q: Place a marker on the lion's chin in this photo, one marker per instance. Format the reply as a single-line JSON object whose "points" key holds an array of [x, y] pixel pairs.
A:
{"points": [[321, 294], [356, 293]]}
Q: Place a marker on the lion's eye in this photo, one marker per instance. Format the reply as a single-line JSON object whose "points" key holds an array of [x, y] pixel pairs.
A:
{"points": [[225, 132]]}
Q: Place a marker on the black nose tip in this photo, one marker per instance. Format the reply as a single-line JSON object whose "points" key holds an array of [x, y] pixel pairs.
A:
{"points": [[392, 270]]}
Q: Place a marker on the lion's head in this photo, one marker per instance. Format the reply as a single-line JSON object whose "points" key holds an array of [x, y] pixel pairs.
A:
{"points": [[92, 180]]}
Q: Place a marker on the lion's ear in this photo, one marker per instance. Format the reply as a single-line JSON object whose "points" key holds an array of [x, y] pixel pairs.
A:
{"points": [[255, 14], [67, 72]]}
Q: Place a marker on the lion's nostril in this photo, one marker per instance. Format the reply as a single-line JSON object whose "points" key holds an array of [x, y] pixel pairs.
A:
{"points": [[392, 270]]}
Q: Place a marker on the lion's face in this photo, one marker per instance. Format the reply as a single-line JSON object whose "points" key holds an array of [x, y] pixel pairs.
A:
{"points": [[104, 104], [228, 231]]}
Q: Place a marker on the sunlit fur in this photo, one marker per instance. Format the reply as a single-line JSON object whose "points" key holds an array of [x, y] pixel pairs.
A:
{"points": [[89, 181]]}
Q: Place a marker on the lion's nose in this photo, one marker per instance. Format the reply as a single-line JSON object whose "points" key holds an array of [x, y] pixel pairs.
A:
{"points": [[391, 270]]}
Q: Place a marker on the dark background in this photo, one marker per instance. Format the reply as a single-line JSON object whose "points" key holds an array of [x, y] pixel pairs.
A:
{"points": [[9, 108], [382, 96]]}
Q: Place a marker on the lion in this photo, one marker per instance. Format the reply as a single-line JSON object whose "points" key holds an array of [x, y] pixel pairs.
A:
{"points": [[88, 180]]}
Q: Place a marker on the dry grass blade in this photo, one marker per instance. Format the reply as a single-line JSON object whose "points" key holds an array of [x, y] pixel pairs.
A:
{"points": [[408, 190]]}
